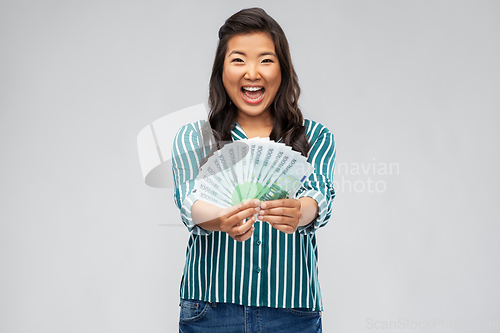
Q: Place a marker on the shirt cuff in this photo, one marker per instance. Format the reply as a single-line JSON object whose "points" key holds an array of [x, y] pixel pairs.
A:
{"points": [[187, 218], [323, 212]]}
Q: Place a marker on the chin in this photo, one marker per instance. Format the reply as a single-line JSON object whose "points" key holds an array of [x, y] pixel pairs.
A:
{"points": [[252, 112]]}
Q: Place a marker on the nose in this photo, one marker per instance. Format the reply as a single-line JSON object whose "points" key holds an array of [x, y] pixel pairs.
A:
{"points": [[252, 73]]}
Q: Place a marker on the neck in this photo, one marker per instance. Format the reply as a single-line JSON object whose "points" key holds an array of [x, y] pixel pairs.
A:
{"points": [[260, 125]]}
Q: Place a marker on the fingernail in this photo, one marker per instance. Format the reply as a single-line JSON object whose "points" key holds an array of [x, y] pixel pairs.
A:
{"points": [[257, 209], [261, 212], [256, 201], [262, 205]]}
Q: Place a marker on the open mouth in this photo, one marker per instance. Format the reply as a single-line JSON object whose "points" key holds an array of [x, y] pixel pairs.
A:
{"points": [[252, 95]]}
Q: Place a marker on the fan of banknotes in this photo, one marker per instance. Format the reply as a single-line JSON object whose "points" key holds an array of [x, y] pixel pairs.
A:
{"points": [[256, 168]]}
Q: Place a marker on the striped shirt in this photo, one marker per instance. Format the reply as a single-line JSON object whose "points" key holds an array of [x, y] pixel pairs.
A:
{"points": [[271, 268]]}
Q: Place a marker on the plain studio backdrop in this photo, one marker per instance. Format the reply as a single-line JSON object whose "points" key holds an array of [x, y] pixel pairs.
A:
{"points": [[410, 90]]}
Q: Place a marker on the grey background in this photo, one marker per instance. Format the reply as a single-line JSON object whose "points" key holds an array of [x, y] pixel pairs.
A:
{"points": [[83, 246]]}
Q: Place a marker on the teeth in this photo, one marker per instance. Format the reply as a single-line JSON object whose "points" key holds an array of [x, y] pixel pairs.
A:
{"points": [[252, 88]]}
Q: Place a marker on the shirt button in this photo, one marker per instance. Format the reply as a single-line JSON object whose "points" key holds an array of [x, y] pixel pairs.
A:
{"points": [[258, 269], [258, 242]]}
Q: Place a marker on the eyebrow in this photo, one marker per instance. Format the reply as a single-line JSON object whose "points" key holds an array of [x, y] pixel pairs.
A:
{"points": [[260, 55]]}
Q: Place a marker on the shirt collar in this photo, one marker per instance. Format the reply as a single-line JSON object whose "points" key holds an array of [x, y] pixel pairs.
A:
{"points": [[237, 133]]}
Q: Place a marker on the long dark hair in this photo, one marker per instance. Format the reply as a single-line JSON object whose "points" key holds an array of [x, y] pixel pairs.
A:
{"points": [[285, 109]]}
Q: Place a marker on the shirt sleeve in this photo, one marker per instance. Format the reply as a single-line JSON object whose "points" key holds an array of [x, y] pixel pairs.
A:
{"points": [[186, 157], [319, 185]]}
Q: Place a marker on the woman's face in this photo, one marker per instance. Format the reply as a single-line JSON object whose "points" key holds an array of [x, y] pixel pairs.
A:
{"points": [[251, 74]]}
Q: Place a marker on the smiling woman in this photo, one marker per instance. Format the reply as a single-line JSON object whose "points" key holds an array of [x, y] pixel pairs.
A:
{"points": [[243, 273], [244, 27], [251, 78]]}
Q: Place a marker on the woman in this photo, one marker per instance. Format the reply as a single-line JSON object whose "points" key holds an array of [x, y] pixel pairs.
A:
{"points": [[262, 275]]}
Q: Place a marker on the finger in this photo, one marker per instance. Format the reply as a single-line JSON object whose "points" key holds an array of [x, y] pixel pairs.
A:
{"points": [[239, 207], [279, 219], [231, 220], [280, 203], [240, 229], [290, 212], [238, 217], [238, 220], [245, 236], [287, 229]]}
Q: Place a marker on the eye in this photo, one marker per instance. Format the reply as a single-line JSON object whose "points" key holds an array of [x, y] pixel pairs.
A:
{"points": [[267, 60], [236, 60]]}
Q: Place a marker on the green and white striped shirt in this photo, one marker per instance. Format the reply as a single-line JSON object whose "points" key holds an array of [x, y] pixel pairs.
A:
{"points": [[271, 268]]}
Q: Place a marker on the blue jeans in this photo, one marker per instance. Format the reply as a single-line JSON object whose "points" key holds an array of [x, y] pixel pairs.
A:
{"points": [[199, 316]]}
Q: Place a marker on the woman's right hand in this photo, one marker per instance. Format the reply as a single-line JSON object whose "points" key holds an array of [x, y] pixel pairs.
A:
{"points": [[232, 220], [229, 220]]}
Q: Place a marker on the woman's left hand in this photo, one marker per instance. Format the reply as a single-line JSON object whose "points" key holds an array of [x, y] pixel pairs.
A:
{"points": [[283, 214]]}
